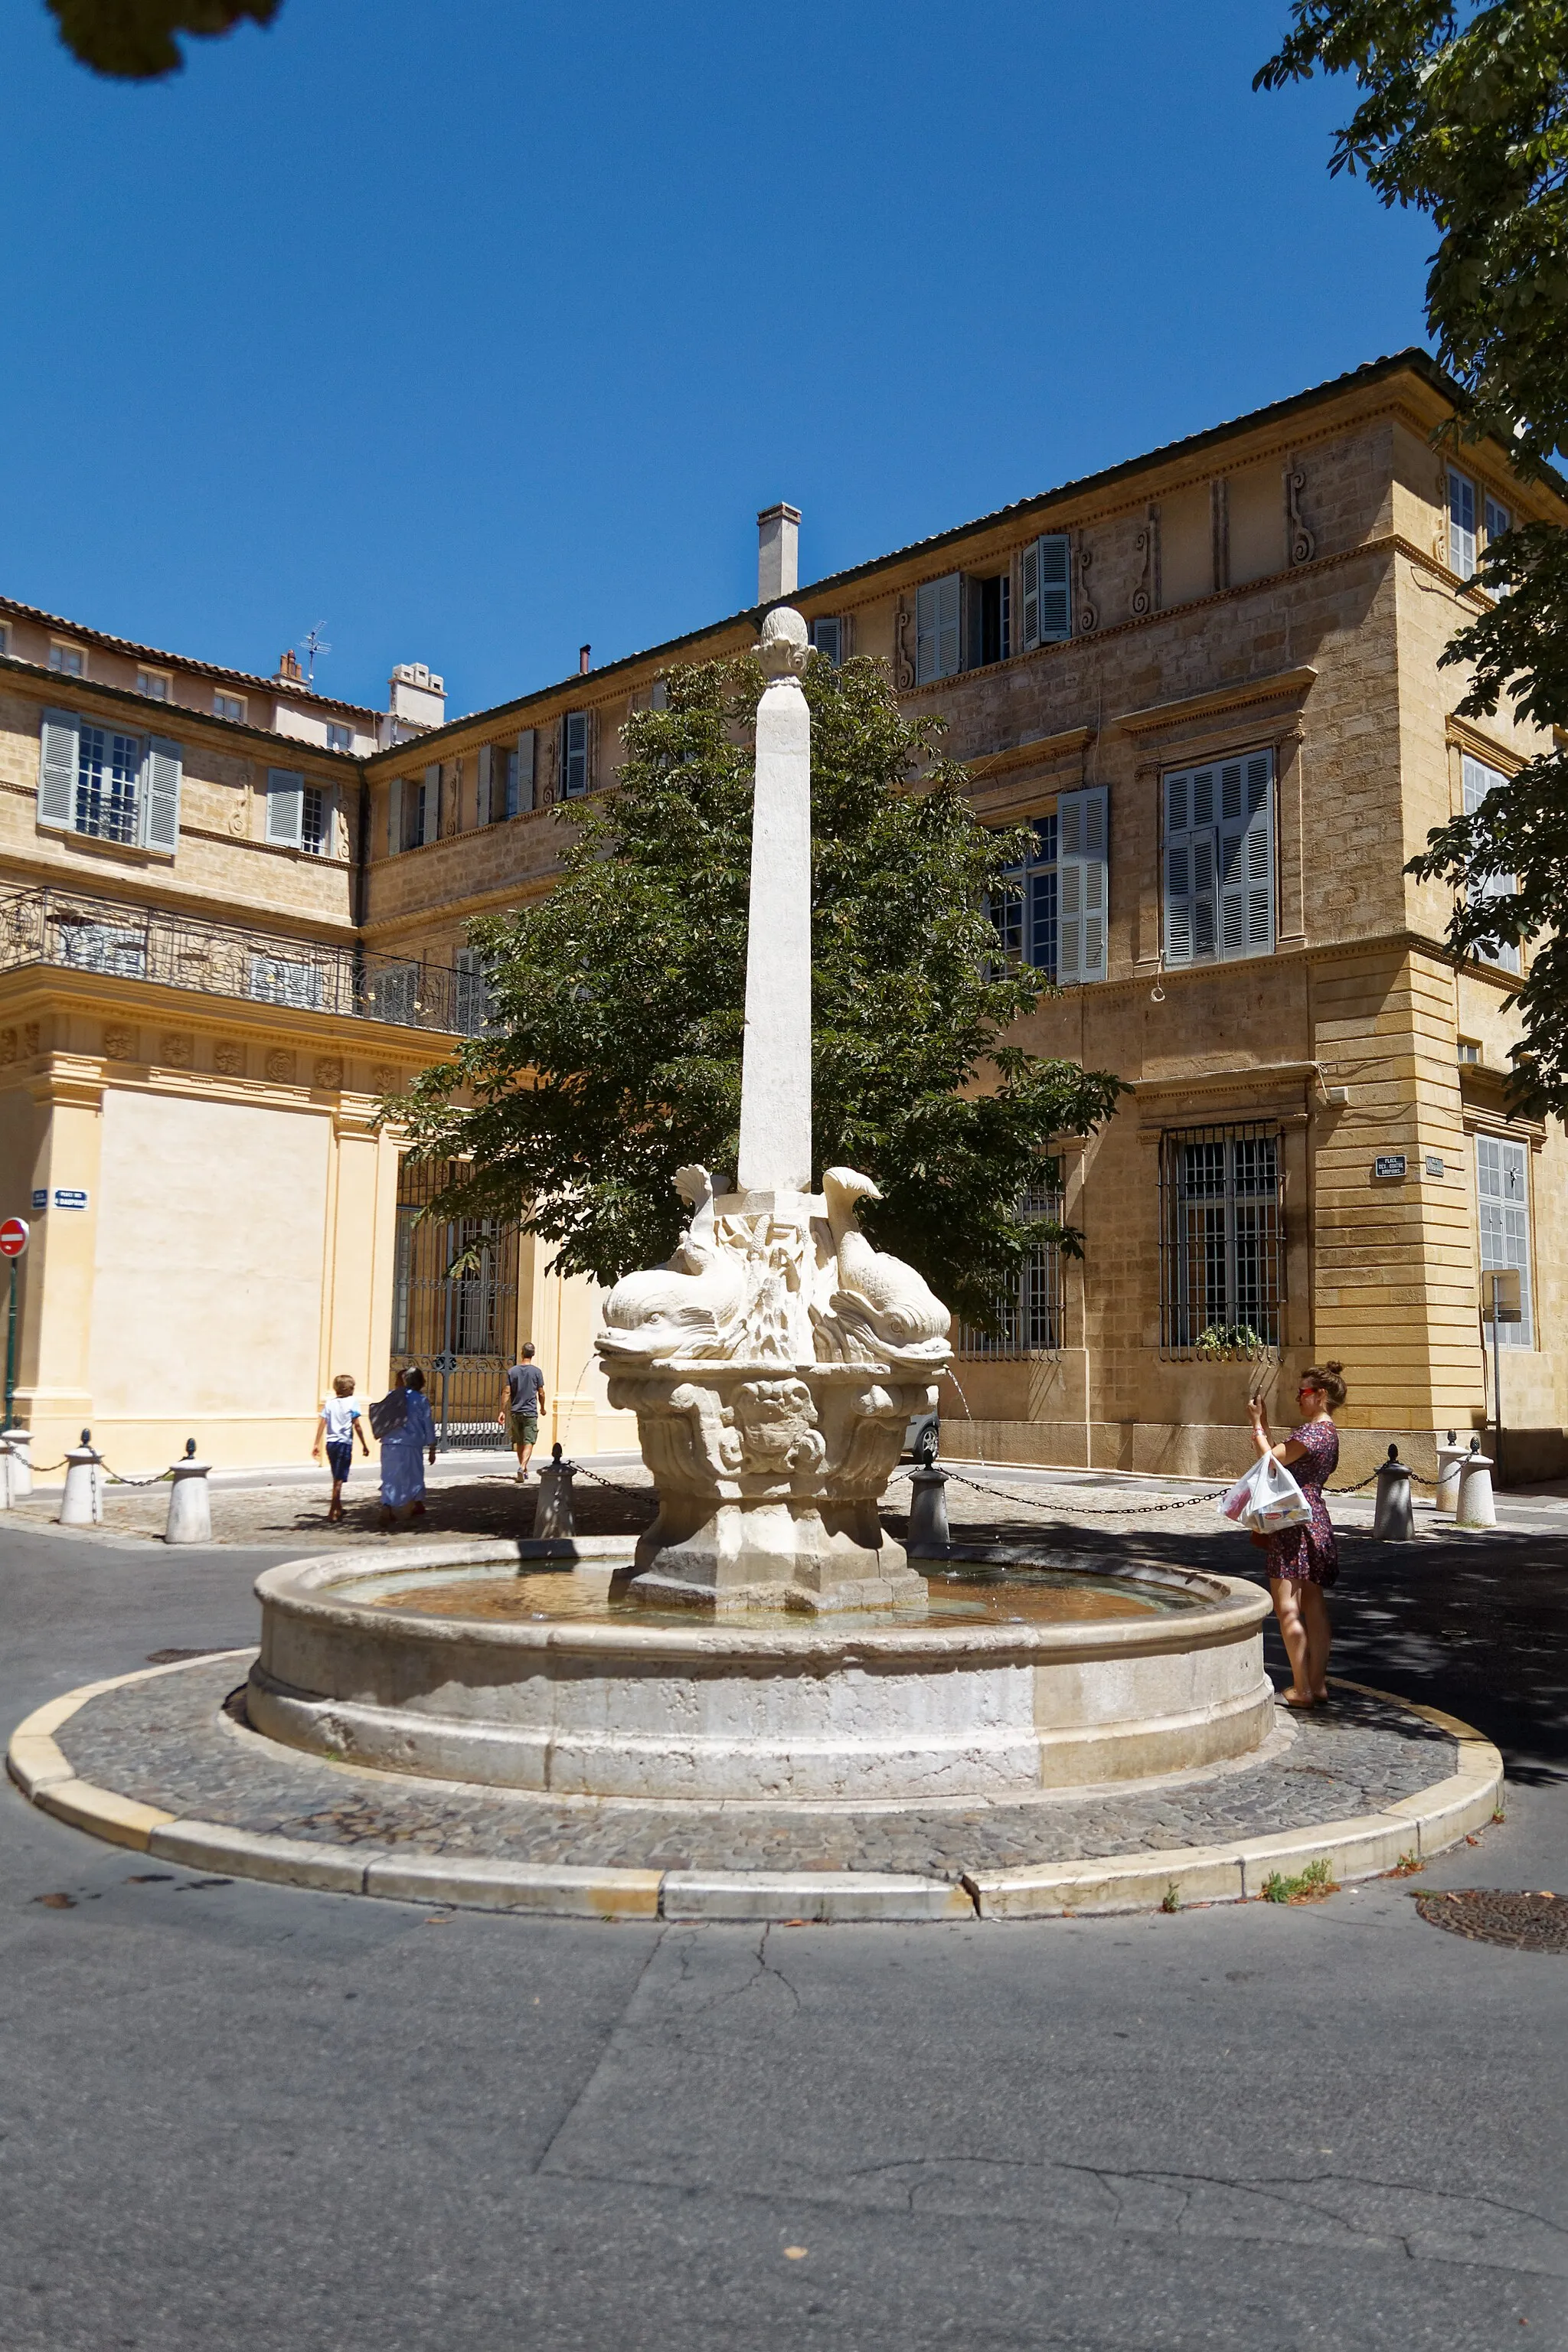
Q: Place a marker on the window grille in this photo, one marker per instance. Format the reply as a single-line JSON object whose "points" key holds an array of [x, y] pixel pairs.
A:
{"points": [[1222, 1240], [314, 834], [1030, 1311], [1502, 1183], [109, 769]]}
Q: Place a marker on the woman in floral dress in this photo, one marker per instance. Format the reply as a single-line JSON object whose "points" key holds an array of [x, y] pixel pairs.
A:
{"points": [[1303, 1561]]}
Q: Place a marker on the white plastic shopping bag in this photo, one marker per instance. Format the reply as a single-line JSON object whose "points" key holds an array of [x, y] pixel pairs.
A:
{"points": [[1268, 1498]]}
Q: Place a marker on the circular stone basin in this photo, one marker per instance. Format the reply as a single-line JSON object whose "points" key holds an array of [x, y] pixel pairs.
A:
{"points": [[479, 1662]]}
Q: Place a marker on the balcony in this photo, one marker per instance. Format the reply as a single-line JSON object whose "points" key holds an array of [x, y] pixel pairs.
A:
{"points": [[68, 929]]}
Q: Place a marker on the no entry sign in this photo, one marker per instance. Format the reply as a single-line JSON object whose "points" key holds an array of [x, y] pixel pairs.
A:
{"points": [[13, 1237]]}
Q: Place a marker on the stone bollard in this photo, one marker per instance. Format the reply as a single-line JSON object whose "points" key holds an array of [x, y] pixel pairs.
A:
{"points": [[1391, 1521], [7, 1475], [81, 1505], [552, 1511], [19, 1456], [1450, 1457], [928, 1530], [190, 1505], [1477, 1508]]}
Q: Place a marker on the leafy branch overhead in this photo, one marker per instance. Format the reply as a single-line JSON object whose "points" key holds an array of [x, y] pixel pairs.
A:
{"points": [[614, 1056], [133, 40], [1464, 114]]}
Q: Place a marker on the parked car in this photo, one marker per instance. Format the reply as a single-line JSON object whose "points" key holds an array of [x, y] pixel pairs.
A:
{"points": [[921, 1438]]}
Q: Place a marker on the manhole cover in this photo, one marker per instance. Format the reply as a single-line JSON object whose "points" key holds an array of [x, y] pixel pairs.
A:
{"points": [[1488, 1915]]}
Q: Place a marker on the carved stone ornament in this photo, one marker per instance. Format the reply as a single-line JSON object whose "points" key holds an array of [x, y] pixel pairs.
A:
{"points": [[385, 1080], [1303, 546], [30, 1036], [7, 1045], [280, 1064], [175, 1050], [327, 1070], [228, 1058], [1088, 614], [904, 674], [785, 647], [1143, 587], [120, 1044]]}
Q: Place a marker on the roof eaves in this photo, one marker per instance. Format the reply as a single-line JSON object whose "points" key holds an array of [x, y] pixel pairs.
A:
{"points": [[12, 604]]}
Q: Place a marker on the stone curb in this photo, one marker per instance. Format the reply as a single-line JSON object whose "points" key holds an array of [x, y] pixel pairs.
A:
{"points": [[1362, 1847]]}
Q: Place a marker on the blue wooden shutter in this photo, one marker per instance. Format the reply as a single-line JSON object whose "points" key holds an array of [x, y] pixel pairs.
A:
{"points": [[57, 768], [1029, 596], [284, 808], [1245, 855], [828, 637], [938, 619], [1081, 885], [1055, 587], [574, 755], [161, 795], [1190, 860]]}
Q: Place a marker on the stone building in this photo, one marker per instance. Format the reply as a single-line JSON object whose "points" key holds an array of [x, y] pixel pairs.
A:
{"points": [[1208, 680]]}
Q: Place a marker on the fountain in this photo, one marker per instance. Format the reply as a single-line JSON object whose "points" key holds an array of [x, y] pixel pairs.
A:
{"points": [[765, 1640]]}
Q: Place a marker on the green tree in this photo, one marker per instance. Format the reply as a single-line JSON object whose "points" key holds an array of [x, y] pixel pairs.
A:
{"points": [[133, 40], [614, 1054], [1465, 116]]}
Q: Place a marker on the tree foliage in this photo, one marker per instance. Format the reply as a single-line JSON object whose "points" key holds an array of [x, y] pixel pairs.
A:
{"points": [[133, 40], [1465, 116], [614, 1053]]}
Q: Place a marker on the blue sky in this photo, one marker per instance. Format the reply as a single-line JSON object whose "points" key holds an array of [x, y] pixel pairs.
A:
{"points": [[475, 331]]}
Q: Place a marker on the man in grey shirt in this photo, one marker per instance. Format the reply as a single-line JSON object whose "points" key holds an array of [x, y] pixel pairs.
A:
{"points": [[522, 1403]]}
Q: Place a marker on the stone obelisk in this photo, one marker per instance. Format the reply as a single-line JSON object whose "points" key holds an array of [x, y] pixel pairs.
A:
{"points": [[775, 1074]]}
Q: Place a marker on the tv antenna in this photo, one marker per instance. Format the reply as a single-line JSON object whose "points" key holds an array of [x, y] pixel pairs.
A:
{"points": [[312, 643]]}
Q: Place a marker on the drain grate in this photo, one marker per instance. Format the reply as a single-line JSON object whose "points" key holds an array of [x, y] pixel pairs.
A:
{"points": [[1489, 1914]]}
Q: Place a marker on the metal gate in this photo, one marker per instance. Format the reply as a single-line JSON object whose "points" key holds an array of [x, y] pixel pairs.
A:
{"points": [[454, 1310]]}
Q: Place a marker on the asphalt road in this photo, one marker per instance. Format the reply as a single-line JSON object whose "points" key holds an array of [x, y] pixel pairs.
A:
{"points": [[242, 2116]]}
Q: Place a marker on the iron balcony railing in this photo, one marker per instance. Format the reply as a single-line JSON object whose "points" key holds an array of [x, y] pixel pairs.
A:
{"points": [[106, 935]]}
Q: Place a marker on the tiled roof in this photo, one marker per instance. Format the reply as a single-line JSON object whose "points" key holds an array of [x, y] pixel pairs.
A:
{"points": [[289, 687]]}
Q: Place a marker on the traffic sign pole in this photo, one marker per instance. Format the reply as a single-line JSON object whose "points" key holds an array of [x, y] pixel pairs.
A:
{"points": [[14, 1239]]}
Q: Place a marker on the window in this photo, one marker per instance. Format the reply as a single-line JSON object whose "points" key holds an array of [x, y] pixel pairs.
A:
{"points": [[1469, 1049], [520, 798], [67, 661], [1461, 524], [1024, 910], [576, 732], [1046, 590], [1499, 521], [1502, 1186], [107, 785], [1222, 1240], [658, 692], [1219, 860], [990, 616], [315, 821], [830, 636], [230, 705], [1478, 780], [413, 811], [155, 685], [5, 636], [286, 979], [339, 737], [939, 640], [1030, 1311]]}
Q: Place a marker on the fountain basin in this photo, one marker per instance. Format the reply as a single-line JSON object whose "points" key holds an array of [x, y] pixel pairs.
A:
{"points": [[892, 1707]]}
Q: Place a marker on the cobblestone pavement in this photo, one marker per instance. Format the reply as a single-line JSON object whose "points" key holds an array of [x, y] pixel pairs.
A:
{"points": [[170, 1742]]}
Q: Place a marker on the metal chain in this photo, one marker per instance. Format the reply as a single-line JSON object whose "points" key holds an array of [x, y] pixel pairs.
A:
{"points": [[637, 1493], [1102, 1510]]}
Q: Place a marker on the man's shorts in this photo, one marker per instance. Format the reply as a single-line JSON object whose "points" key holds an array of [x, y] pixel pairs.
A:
{"points": [[525, 1429], [340, 1456]]}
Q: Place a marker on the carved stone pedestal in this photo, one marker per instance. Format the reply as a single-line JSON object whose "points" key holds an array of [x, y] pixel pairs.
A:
{"points": [[769, 1480]]}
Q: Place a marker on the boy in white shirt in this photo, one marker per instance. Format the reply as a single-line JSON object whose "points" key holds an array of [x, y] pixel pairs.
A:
{"points": [[340, 1424]]}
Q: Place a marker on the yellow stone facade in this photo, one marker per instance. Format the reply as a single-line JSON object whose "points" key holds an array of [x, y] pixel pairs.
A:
{"points": [[1282, 586]]}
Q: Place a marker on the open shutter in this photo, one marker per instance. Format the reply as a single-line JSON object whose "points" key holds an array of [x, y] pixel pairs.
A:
{"points": [[1190, 856], [527, 761], [937, 628], [1478, 780], [1246, 856], [1055, 587], [395, 817], [577, 744], [284, 808], [160, 797], [485, 786], [57, 768], [1029, 595], [431, 826], [1081, 822]]}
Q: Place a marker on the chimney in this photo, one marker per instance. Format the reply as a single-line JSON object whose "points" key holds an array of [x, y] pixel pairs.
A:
{"points": [[289, 671], [778, 554], [583, 652]]}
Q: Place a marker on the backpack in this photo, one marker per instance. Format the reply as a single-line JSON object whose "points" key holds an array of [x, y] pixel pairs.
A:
{"points": [[389, 1413]]}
